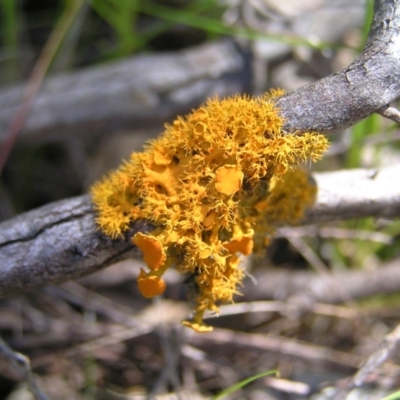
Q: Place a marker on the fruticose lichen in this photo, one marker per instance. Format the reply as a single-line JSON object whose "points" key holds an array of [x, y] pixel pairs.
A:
{"points": [[213, 185]]}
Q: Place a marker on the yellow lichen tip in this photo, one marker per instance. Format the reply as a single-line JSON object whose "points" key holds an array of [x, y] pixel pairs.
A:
{"points": [[198, 327], [213, 185]]}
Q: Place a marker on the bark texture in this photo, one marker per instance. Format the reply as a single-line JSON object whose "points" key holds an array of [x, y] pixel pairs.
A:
{"points": [[55, 243], [140, 92], [369, 83], [305, 288], [356, 193]]}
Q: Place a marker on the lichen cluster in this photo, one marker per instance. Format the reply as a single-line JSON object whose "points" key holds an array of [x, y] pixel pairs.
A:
{"points": [[213, 185]]}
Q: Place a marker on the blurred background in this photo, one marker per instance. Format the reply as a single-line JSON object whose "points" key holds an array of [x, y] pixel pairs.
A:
{"points": [[85, 83]]}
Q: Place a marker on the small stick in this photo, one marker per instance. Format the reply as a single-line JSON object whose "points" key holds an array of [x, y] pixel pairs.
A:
{"points": [[22, 364], [391, 113], [386, 349]]}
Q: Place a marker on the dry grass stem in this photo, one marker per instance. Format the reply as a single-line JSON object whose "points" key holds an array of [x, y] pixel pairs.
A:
{"points": [[22, 364]]}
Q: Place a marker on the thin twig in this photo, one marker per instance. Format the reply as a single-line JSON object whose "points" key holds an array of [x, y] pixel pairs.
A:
{"points": [[386, 349], [391, 113], [282, 308], [22, 364], [287, 386], [171, 354], [95, 344], [88, 299], [315, 261], [35, 81], [333, 233], [277, 345], [151, 317]]}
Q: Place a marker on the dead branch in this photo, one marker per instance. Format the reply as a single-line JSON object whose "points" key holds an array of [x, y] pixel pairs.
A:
{"points": [[371, 82], [277, 345], [141, 92], [355, 194], [60, 241], [305, 288], [386, 349], [332, 232], [22, 364], [56, 243], [391, 113]]}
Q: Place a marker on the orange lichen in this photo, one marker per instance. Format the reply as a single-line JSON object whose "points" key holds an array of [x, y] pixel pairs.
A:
{"points": [[241, 242], [150, 286], [152, 249], [213, 185], [228, 179]]}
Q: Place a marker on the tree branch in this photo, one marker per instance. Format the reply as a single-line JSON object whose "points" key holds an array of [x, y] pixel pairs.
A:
{"points": [[369, 83], [303, 289], [356, 193], [133, 93], [55, 243], [60, 241]]}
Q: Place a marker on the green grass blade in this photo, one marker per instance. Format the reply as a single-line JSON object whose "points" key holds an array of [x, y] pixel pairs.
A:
{"points": [[9, 23], [243, 383], [369, 15], [393, 396], [9, 30], [121, 15]]}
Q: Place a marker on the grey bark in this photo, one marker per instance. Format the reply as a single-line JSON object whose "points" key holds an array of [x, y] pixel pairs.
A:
{"points": [[369, 83], [143, 91], [356, 193], [55, 243], [305, 288], [59, 242]]}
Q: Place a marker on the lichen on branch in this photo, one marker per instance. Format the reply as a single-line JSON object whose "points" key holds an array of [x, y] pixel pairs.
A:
{"points": [[213, 185]]}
